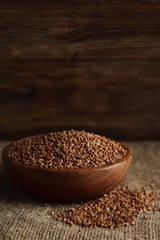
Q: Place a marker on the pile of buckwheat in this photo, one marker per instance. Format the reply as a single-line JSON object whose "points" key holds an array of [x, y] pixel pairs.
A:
{"points": [[117, 208], [66, 150], [80, 149]]}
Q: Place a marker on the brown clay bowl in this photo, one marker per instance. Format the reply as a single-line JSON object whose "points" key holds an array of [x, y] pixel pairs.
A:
{"points": [[68, 185]]}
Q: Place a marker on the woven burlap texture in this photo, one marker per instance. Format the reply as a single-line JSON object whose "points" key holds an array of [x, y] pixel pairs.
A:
{"points": [[24, 217]]}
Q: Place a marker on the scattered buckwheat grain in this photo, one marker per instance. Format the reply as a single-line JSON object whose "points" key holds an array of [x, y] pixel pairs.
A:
{"points": [[152, 186], [145, 217], [113, 210]]}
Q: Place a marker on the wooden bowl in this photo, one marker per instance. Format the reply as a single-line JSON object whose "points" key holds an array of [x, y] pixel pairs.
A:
{"points": [[67, 185]]}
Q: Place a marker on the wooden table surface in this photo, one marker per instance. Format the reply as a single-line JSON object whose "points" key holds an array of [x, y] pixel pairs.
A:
{"points": [[92, 65]]}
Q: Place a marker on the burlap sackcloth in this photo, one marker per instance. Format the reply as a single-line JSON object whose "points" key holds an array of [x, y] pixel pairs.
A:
{"points": [[24, 217]]}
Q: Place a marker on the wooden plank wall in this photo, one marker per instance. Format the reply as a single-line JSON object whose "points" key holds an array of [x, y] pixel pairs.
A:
{"points": [[92, 65]]}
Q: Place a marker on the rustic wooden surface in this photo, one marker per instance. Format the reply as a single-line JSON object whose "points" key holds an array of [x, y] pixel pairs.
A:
{"points": [[92, 65]]}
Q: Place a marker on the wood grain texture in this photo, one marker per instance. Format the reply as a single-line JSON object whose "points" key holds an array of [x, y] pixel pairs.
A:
{"points": [[68, 185], [91, 65]]}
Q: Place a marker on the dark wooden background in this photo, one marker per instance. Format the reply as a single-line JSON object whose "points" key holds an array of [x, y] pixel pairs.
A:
{"points": [[92, 65]]}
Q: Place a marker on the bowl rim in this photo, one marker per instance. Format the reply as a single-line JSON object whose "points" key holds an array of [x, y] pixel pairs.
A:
{"points": [[5, 157]]}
